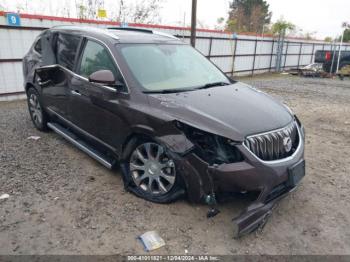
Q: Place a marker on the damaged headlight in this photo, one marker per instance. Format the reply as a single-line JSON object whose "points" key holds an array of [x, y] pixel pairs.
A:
{"points": [[211, 148]]}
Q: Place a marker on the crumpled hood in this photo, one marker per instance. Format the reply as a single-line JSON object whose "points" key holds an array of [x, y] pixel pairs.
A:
{"points": [[233, 111]]}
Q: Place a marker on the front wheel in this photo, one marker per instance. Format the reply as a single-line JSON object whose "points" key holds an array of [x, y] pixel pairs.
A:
{"points": [[37, 114], [152, 173]]}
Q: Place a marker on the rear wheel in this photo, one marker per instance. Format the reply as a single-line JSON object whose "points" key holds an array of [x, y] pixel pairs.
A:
{"points": [[37, 114], [151, 173]]}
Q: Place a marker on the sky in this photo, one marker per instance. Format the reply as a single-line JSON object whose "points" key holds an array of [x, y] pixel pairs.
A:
{"points": [[322, 17]]}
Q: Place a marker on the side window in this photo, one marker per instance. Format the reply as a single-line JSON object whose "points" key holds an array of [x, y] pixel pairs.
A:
{"points": [[66, 49], [37, 46], [95, 57]]}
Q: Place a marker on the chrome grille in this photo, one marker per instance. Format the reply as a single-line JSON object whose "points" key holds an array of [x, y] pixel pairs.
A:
{"points": [[274, 145]]}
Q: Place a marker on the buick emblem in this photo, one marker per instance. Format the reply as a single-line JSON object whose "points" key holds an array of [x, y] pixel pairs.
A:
{"points": [[287, 143]]}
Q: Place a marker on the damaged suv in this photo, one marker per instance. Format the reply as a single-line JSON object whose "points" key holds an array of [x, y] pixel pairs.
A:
{"points": [[173, 122]]}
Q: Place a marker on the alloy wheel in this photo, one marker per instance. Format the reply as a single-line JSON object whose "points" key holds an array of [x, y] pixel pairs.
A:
{"points": [[35, 109], [151, 169]]}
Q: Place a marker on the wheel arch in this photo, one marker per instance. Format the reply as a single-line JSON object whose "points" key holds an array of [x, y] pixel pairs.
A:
{"points": [[31, 85]]}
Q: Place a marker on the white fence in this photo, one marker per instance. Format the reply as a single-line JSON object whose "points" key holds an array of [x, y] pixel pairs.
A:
{"points": [[235, 56]]}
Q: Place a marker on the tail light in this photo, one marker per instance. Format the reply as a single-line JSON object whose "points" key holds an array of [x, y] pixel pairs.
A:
{"points": [[328, 56]]}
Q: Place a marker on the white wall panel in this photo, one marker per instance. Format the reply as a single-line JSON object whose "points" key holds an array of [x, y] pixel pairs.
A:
{"points": [[203, 46], [11, 77], [244, 63], [222, 47], [293, 48], [263, 47], [245, 47], [291, 60], [262, 62], [224, 63]]}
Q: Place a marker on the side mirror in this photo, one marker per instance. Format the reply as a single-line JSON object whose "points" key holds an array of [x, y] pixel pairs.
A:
{"points": [[104, 77]]}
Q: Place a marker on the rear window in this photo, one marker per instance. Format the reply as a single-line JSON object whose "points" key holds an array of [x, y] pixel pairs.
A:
{"points": [[66, 50], [37, 46]]}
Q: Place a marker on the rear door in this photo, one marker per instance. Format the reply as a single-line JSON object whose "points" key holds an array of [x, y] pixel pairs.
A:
{"points": [[97, 109], [59, 55]]}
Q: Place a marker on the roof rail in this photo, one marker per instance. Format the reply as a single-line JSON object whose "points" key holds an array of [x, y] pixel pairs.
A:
{"points": [[132, 29], [164, 34], [93, 29], [143, 30]]}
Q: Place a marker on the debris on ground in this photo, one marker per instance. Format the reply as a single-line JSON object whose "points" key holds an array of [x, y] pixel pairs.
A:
{"points": [[311, 70], [4, 196], [344, 72], [91, 179], [35, 138], [151, 240]]}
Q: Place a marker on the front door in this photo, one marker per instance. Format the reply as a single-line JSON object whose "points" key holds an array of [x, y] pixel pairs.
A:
{"points": [[96, 108]]}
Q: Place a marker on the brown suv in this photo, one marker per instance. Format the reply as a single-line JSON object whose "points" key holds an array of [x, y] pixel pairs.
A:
{"points": [[160, 110]]}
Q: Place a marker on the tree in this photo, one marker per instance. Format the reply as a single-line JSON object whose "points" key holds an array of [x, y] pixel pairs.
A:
{"points": [[346, 35], [220, 23], [282, 27], [82, 11], [309, 35], [146, 11], [328, 39], [134, 11], [248, 15]]}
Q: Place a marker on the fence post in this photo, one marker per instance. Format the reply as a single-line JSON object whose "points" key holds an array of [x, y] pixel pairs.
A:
{"points": [[312, 53], [256, 43], [271, 56], [234, 56], [285, 56], [210, 45], [301, 46]]}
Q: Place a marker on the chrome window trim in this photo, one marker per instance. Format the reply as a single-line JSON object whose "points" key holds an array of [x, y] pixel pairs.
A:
{"points": [[81, 77], [115, 63], [271, 162], [84, 78]]}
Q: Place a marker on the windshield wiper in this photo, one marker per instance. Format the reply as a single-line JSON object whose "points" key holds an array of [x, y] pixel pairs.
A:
{"points": [[167, 91], [179, 90], [213, 84]]}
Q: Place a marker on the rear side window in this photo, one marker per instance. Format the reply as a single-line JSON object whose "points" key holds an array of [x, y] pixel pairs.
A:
{"points": [[66, 49], [37, 46], [94, 58]]}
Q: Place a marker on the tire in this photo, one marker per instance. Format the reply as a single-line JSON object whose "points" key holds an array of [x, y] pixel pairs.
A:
{"points": [[150, 173], [36, 111]]}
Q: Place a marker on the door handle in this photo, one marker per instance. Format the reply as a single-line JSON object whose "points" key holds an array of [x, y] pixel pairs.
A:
{"points": [[75, 92]]}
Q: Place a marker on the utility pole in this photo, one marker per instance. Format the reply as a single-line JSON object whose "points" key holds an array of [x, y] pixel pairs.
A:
{"points": [[344, 26], [193, 23], [340, 47]]}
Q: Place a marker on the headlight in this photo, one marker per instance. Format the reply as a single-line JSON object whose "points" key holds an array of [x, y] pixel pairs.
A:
{"points": [[213, 149], [302, 130]]}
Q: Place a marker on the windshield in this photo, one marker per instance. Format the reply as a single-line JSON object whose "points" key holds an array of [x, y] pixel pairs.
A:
{"points": [[161, 67]]}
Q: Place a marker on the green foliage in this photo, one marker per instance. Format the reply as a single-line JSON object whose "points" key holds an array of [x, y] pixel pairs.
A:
{"points": [[248, 15], [282, 27], [328, 39], [82, 11], [346, 35]]}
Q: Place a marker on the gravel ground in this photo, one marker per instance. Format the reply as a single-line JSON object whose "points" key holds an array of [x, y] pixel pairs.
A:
{"points": [[63, 202]]}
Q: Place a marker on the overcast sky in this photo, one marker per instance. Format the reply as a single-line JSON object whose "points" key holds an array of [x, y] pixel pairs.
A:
{"points": [[321, 16]]}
